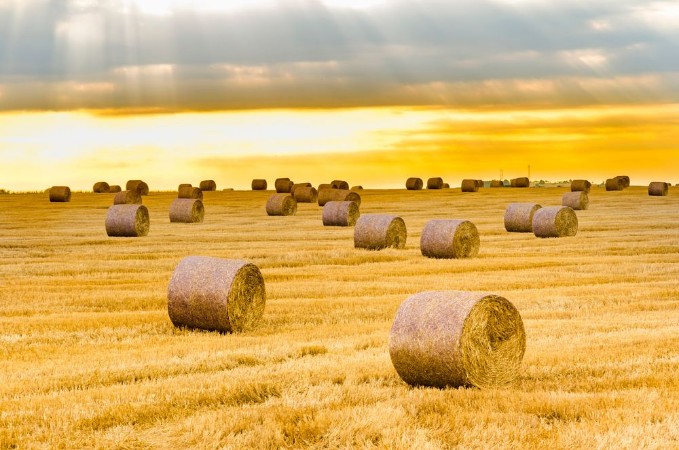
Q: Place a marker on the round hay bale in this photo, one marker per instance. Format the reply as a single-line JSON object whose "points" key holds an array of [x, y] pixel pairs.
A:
{"points": [[60, 194], [357, 188], [469, 185], [479, 183], [340, 184], [615, 184], [435, 183], [187, 210], [581, 186], [521, 182], [496, 183], [127, 198], [283, 185], [185, 191], [625, 180], [340, 214], [555, 221], [225, 295], [137, 185], [338, 195], [115, 188], [519, 217], [378, 231], [184, 186], [414, 184], [101, 187], [306, 194], [208, 185], [259, 184], [325, 186], [658, 188], [281, 205], [446, 186], [457, 338], [127, 221], [443, 238], [298, 185], [578, 200]]}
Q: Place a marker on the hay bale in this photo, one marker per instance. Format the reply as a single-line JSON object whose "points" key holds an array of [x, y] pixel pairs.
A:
{"points": [[306, 194], [446, 186], [414, 184], [115, 188], [357, 188], [378, 231], [60, 194], [578, 200], [340, 184], [338, 195], [496, 183], [581, 186], [521, 182], [187, 210], [225, 295], [469, 185], [101, 187], [259, 184], [555, 221], [127, 221], [449, 239], [189, 191], [283, 185], [127, 198], [325, 186], [208, 185], [615, 184], [479, 183], [298, 185], [457, 338], [658, 188], [340, 214], [281, 205], [435, 183], [519, 217], [137, 185], [625, 180]]}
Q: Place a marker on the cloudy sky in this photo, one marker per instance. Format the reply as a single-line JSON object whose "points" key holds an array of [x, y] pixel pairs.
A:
{"points": [[175, 90]]}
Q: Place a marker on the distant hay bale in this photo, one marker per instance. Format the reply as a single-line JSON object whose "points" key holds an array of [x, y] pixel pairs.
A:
{"points": [[189, 191], [443, 238], [283, 185], [60, 194], [338, 195], [101, 187], [340, 184], [298, 185], [340, 214], [127, 198], [208, 185], [127, 221], [435, 183], [658, 188], [625, 180], [325, 186], [259, 184], [115, 188], [578, 200], [469, 185], [225, 295], [281, 205], [581, 186], [137, 185], [357, 188], [457, 338], [555, 221], [184, 186], [479, 183], [615, 184], [521, 182], [414, 184], [306, 194], [446, 186], [519, 217], [379, 231], [187, 210], [496, 183]]}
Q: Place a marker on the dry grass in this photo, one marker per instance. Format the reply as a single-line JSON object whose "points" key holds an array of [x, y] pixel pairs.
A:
{"points": [[90, 359]]}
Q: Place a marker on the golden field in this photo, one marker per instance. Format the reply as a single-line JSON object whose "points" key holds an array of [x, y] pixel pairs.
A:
{"points": [[90, 359]]}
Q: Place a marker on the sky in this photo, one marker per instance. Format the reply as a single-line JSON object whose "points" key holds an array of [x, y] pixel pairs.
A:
{"points": [[374, 91]]}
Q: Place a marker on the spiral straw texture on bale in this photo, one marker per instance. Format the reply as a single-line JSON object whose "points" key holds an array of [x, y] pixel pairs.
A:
{"points": [[60, 194], [101, 187], [306, 194], [340, 214], [521, 182], [281, 205], [469, 185], [208, 185], [435, 183], [189, 192], [127, 198], [414, 184], [187, 210], [127, 221], [658, 188], [496, 183], [340, 184], [338, 195], [114, 189], [457, 338], [283, 185], [555, 221], [442, 238], [578, 200], [615, 184], [581, 185], [225, 295], [137, 185], [519, 217], [259, 184], [379, 231]]}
